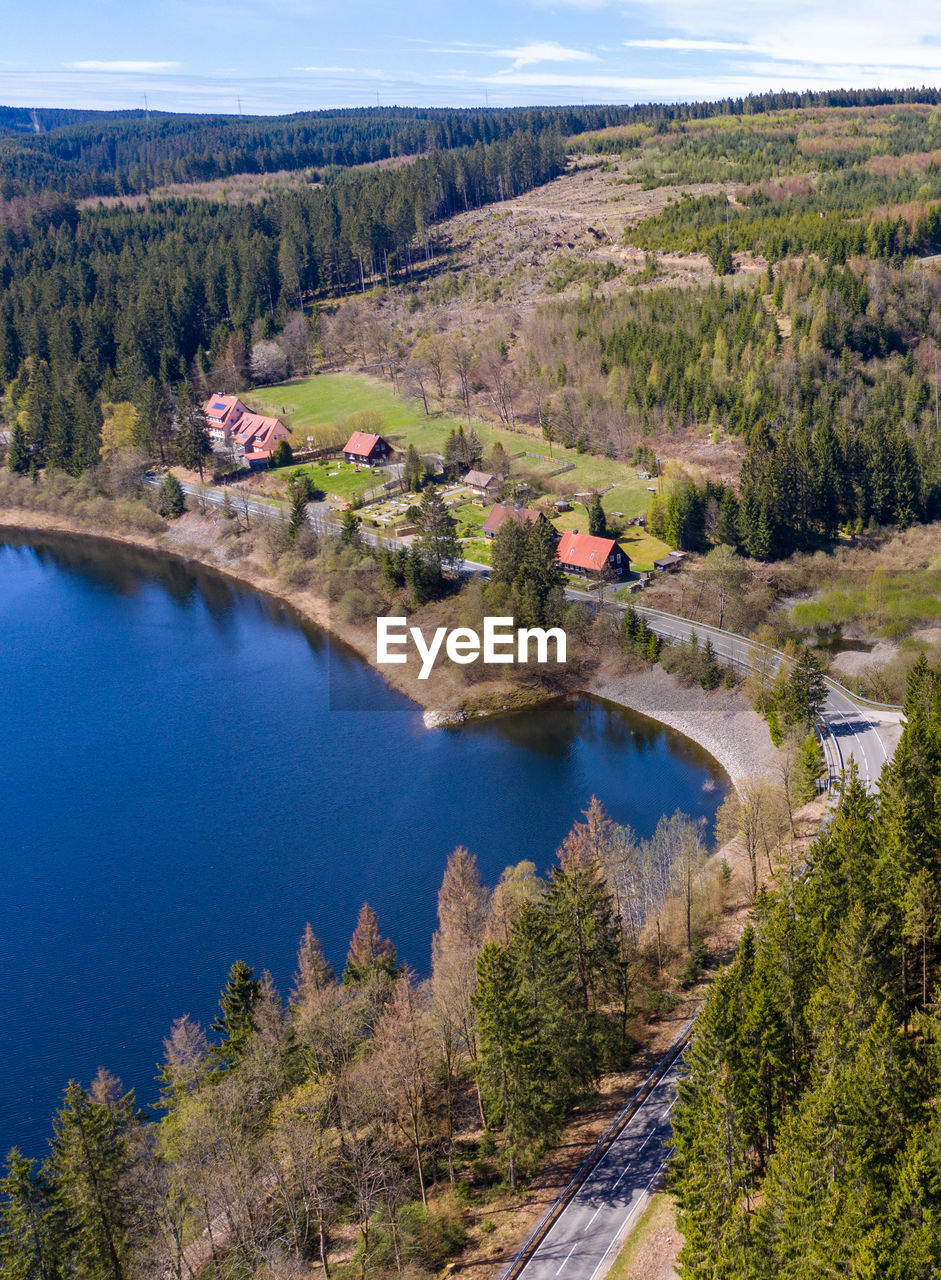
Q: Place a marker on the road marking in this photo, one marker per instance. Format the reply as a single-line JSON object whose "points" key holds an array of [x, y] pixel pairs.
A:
{"points": [[567, 1256], [638, 1202], [633, 1157], [594, 1215]]}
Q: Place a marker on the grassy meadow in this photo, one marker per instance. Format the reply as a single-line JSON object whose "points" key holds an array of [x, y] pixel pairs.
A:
{"points": [[323, 405]]}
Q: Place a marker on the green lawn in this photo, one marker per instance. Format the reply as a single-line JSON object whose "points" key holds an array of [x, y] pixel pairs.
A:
{"points": [[345, 482], [329, 397]]}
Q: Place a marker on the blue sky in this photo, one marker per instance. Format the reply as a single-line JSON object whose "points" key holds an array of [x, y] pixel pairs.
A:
{"points": [[290, 55]]}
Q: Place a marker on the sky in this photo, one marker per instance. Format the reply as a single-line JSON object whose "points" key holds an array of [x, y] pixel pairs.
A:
{"points": [[275, 56]]}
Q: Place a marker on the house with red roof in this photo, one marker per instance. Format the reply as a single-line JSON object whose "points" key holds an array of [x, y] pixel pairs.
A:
{"points": [[222, 414], [584, 554], [503, 511], [367, 450], [253, 435]]}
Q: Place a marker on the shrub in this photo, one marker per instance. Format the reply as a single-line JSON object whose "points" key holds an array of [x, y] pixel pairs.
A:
{"points": [[356, 605], [431, 1236]]}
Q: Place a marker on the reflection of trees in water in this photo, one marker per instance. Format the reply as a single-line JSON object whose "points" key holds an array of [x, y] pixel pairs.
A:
{"points": [[553, 729], [126, 570]]}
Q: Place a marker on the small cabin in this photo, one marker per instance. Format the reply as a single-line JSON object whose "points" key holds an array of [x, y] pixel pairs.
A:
{"points": [[484, 482], [500, 512], [367, 450], [666, 563]]}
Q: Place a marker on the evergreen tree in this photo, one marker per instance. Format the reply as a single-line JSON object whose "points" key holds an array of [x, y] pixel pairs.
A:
{"points": [[18, 455], [171, 501], [235, 1020], [413, 472], [28, 1227], [191, 442], [299, 499], [437, 539], [805, 692], [282, 455], [807, 769], [709, 673], [349, 528], [512, 1064], [88, 1169], [597, 520]]}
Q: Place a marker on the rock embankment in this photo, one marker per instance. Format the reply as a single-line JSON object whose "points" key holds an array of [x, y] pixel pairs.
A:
{"points": [[722, 722]]}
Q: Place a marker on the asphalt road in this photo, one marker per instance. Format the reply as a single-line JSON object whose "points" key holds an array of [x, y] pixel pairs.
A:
{"points": [[867, 733], [584, 1240]]}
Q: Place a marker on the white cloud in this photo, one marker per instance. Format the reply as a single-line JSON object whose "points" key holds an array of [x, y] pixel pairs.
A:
{"points": [[529, 55], [685, 46], [143, 68], [861, 35], [350, 71]]}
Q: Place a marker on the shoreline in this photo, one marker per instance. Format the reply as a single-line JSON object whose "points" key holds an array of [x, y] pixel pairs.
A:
{"points": [[722, 723]]}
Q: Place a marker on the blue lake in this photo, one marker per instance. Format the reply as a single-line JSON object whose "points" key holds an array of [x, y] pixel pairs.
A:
{"points": [[191, 774]]}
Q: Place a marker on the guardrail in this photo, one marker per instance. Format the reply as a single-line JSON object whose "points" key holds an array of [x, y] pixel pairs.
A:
{"points": [[777, 653], [565, 1197]]}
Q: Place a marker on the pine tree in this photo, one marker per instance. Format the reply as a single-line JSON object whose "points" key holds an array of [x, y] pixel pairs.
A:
{"points": [[512, 1064], [87, 1170], [349, 528], [235, 1021], [597, 520], [709, 673], [437, 539], [28, 1226], [192, 436], [171, 501], [805, 692], [808, 767], [18, 456], [298, 511]]}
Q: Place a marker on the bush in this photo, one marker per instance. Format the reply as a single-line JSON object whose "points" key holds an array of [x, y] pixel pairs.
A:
{"points": [[431, 1236], [356, 605]]}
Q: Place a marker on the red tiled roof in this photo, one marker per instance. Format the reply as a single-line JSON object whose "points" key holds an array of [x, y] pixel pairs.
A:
{"points": [[501, 511], [259, 435], [361, 443], [583, 551], [222, 408]]}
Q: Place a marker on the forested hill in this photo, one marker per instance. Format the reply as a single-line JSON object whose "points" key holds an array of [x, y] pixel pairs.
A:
{"points": [[82, 153], [127, 152], [118, 303], [808, 1136]]}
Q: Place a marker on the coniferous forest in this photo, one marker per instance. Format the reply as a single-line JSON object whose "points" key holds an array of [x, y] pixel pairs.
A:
{"points": [[807, 1133]]}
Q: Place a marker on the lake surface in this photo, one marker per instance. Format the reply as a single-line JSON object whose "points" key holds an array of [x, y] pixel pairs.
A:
{"points": [[191, 774]]}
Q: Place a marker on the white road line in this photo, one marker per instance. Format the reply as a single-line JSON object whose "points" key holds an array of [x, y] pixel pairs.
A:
{"points": [[567, 1256], [633, 1157], [614, 1239], [594, 1215]]}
